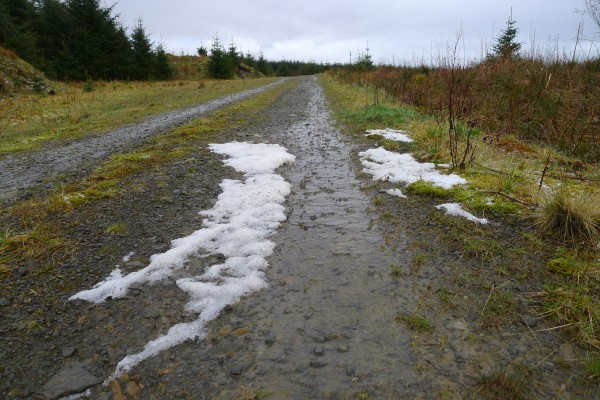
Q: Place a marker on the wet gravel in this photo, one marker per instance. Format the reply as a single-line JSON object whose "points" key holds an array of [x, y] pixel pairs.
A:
{"points": [[24, 170], [326, 328]]}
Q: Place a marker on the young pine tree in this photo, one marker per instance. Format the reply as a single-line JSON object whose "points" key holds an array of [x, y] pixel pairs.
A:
{"points": [[262, 65], [163, 69], [90, 42], [143, 57], [506, 45], [219, 65]]}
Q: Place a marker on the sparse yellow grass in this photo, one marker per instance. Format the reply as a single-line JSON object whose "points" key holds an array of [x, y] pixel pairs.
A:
{"points": [[116, 229], [30, 120], [31, 243], [34, 236]]}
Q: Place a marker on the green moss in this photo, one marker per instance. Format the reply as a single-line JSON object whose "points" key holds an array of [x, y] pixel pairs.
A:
{"points": [[428, 189], [593, 367], [565, 265], [482, 249], [116, 229], [385, 115], [415, 322], [486, 203], [397, 146]]}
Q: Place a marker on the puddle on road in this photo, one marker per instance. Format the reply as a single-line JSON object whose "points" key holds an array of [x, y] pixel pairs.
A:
{"points": [[328, 318]]}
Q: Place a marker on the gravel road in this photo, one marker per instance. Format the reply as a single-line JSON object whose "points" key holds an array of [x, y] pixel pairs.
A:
{"points": [[24, 170], [329, 324]]}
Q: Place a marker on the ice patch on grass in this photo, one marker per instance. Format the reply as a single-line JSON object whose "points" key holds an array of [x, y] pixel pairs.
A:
{"points": [[397, 193], [77, 396], [238, 226], [128, 256], [386, 165], [391, 134], [457, 210]]}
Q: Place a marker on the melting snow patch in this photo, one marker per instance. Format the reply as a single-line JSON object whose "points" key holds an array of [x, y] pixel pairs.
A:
{"points": [[128, 256], [396, 192], [245, 215], [391, 134], [394, 167], [457, 210]]}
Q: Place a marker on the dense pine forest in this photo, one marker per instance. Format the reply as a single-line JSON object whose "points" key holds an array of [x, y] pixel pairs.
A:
{"points": [[79, 40], [84, 40]]}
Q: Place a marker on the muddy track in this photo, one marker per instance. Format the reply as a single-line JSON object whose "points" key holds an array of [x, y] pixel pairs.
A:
{"points": [[24, 170], [327, 326]]}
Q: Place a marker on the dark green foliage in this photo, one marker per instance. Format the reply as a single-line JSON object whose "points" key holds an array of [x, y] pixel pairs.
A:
{"points": [[143, 56], [52, 27], [249, 60], [220, 65], [364, 61], [506, 45], [162, 67], [202, 51], [294, 68], [262, 65], [93, 35], [16, 18], [79, 40]]}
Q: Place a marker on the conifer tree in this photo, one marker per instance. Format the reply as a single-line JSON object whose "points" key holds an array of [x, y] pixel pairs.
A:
{"points": [[249, 60], [16, 29], [143, 57], [52, 26], [233, 57], [219, 65], [92, 37], [162, 67], [202, 51], [364, 61], [506, 45], [262, 65]]}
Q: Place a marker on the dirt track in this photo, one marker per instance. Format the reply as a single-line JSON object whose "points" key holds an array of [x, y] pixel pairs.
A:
{"points": [[327, 326], [25, 170]]}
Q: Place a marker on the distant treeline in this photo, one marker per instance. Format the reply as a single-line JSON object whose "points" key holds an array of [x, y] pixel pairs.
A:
{"points": [[83, 40], [226, 63]]}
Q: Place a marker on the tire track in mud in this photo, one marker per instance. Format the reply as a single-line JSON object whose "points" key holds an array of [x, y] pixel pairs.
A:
{"points": [[22, 171]]}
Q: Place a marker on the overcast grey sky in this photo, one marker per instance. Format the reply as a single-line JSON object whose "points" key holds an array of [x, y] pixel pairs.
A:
{"points": [[329, 30]]}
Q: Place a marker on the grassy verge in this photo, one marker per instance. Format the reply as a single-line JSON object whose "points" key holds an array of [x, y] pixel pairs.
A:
{"points": [[531, 188], [79, 109], [28, 230]]}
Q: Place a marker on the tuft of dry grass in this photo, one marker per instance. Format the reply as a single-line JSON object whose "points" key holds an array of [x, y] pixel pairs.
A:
{"points": [[503, 383], [573, 307], [574, 217]]}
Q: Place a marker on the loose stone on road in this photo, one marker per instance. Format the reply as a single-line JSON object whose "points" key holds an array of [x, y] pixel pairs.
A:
{"points": [[331, 321]]}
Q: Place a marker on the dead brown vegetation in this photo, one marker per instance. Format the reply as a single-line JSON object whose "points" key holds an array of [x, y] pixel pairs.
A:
{"points": [[555, 102]]}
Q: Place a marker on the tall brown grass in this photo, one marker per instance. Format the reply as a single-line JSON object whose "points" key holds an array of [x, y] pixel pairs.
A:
{"points": [[539, 99]]}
